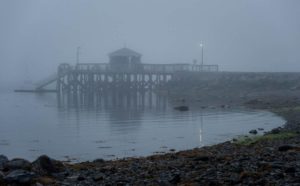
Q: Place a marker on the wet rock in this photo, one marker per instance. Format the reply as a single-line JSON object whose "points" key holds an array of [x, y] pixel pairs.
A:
{"points": [[61, 175], [99, 160], [1, 177], [236, 167], [234, 178], [46, 180], [72, 178], [18, 164], [225, 106], [45, 166], [80, 178], [98, 177], [269, 149], [276, 165], [261, 181], [64, 183], [3, 161], [253, 131], [175, 179], [38, 184], [202, 158], [19, 177], [277, 175], [182, 108], [284, 148], [290, 170], [261, 129], [276, 130], [122, 182]]}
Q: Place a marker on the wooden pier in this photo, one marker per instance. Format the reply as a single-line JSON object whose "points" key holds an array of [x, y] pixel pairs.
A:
{"points": [[124, 72], [99, 77]]}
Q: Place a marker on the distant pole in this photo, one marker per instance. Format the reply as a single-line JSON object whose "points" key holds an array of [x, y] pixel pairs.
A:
{"points": [[202, 46], [77, 55]]}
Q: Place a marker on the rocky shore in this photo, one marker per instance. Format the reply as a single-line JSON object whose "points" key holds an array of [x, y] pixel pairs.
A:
{"points": [[271, 159]]}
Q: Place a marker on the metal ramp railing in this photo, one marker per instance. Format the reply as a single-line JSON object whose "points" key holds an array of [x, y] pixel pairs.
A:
{"points": [[50, 79]]}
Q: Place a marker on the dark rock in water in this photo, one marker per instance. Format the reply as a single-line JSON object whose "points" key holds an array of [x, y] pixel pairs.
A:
{"points": [[99, 160], [44, 165], [253, 131], [284, 148], [276, 130], [225, 106], [3, 161], [182, 108], [261, 129], [19, 177], [18, 164]]}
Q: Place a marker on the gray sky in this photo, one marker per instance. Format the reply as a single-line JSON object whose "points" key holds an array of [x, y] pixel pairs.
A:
{"points": [[239, 35]]}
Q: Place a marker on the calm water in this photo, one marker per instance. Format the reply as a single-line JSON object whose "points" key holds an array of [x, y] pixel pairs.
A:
{"points": [[31, 125]]}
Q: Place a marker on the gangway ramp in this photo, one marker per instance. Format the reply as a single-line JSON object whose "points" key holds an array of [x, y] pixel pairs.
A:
{"points": [[43, 83]]}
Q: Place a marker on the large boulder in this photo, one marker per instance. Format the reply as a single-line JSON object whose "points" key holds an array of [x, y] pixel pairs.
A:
{"points": [[44, 165], [19, 177], [3, 161], [1, 178], [253, 131], [288, 147], [17, 164]]}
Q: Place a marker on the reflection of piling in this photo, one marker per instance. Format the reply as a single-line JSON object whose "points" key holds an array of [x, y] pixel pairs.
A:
{"points": [[112, 99]]}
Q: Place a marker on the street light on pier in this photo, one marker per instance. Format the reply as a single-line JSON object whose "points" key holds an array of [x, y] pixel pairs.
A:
{"points": [[77, 55], [202, 46]]}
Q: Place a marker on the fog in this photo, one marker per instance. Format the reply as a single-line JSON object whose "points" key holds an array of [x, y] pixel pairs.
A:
{"points": [[238, 35]]}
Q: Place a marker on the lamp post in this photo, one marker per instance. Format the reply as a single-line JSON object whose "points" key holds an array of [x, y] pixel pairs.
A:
{"points": [[77, 55], [202, 46]]}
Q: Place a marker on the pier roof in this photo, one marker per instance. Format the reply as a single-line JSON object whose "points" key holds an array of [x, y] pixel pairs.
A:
{"points": [[125, 52]]}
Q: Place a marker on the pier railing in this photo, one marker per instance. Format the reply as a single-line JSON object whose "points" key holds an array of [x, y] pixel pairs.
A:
{"points": [[144, 68]]}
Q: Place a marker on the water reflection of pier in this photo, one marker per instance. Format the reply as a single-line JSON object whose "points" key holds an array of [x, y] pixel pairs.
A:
{"points": [[123, 110], [113, 99]]}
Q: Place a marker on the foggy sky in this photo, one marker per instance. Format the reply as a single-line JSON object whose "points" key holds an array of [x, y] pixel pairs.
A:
{"points": [[239, 35]]}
